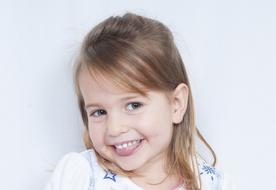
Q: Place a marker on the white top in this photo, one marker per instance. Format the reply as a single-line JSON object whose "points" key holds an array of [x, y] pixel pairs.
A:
{"points": [[81, 171]]}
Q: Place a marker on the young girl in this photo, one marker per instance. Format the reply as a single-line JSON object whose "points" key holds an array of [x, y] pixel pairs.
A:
{"points": [[136, 104]]}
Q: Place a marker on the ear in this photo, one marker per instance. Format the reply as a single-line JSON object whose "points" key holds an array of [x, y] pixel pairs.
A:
{"points": [[179, 101]]}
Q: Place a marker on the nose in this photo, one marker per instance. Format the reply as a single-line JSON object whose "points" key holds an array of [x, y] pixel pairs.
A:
{"points": [[115, 125]]}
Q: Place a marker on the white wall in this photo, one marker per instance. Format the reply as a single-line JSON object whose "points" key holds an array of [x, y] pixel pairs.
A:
{"points": [[229, 51]]}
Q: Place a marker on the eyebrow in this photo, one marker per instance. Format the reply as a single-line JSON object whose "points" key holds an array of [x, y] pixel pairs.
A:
{"points": [[121, 99]]}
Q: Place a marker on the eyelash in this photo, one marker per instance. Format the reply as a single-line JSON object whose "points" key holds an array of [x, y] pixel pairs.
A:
{"points": [[138, 105]]}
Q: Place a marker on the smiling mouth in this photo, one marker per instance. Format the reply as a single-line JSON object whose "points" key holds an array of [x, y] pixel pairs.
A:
{"points": [[127, 148]]}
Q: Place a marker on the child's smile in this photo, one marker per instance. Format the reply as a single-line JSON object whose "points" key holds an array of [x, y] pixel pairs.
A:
{"points": [[127, 148], [130, 130]]}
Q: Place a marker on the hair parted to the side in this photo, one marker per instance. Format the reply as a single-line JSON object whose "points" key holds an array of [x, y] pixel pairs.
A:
{"points": [[139, 53]]}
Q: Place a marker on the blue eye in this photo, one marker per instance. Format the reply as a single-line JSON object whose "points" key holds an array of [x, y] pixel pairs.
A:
{"points": [[98, 113], [133, 105]]}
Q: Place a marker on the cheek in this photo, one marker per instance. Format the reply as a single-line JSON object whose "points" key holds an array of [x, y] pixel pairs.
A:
{"points": [[96, 135], [156, 123]]}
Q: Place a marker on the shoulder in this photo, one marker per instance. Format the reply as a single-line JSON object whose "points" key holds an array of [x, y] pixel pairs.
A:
{"points": [[90, 156], [106, 179], [71, 172], [213, 178]]}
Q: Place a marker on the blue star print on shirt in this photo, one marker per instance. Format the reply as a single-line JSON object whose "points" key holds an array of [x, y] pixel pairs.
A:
{"points": [[208, 170], [110, 175]]}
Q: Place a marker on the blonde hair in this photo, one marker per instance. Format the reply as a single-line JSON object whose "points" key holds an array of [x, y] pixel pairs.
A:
{"points": [[134, 50]]}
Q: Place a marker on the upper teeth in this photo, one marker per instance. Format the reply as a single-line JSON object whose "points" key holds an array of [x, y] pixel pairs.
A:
{"points": [[125, 145]]}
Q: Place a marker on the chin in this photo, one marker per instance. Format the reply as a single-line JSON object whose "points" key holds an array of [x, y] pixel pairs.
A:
{"points": [[129, 166]]}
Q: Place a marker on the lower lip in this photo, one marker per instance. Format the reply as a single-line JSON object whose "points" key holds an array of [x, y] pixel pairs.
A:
{"points": [[128, 152]]}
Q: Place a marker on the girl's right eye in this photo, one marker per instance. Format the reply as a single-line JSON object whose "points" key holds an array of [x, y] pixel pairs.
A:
{"points": [[97, 113]]}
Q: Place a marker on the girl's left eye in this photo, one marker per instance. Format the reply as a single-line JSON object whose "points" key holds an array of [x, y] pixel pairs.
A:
{"points": [[133, 105]]}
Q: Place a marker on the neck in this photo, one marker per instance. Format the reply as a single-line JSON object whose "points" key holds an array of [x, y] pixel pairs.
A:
{"points": [[154, 176], [166, 183]]}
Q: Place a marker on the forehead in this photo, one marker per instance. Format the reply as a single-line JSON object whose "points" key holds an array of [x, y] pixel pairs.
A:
{"points": [[98, 87], [92, 84]]}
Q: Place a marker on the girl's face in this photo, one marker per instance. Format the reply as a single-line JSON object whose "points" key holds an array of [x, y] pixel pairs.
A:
{"points": [[128, 129]]}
